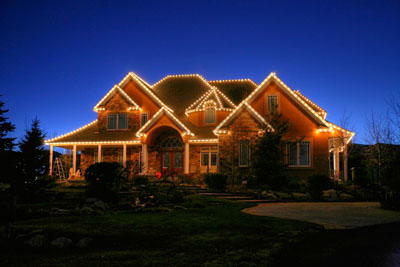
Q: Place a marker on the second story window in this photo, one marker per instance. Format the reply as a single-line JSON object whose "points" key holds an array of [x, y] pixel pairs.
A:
{"points": [[210, 114], [143, 119], [272, 104], [117, 121]]}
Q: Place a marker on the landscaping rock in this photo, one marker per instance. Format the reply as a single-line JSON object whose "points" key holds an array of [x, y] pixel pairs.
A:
{"points": [[91, 200], [36, 232], [85, 210], [37, 241], [301, 196], [100, 205], [330, 195], [346, 197], [84, 242], [268, 195], [56, 211], [283, 196], [61, 242]]}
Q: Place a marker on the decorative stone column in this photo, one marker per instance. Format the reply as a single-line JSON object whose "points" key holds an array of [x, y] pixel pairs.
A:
{"points": [[145, 158], [51, 161], [186, 167], [124, 155]]}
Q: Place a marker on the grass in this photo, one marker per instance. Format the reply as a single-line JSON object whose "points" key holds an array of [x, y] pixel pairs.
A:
{"points": [[216, 235]]}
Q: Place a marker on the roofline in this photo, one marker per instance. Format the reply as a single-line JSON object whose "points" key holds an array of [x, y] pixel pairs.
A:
{"points": [[115, 89], [235, 80], [134, 142], [157, 115], [70, 133]]}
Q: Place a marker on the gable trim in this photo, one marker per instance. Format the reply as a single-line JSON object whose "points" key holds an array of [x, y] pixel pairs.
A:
{"points": [[239, 108], [198, 104], [157, 116], [111, 93]]}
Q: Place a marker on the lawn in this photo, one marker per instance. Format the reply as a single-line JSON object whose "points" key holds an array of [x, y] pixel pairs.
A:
{"points": [[214, 234]]}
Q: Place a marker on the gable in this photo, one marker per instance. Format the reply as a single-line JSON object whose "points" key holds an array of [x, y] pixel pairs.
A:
{"points": [[146, 102], [116, 92], [236, 90]]}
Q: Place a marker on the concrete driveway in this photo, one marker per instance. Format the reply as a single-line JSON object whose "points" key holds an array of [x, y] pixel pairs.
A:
{"points": [[337, 215]]}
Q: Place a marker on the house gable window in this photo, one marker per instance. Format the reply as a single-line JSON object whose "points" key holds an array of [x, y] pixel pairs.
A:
{"points": [[117, 121], [299, 154], [210, 113], [272, 104], [244, 153], [143, 119]]}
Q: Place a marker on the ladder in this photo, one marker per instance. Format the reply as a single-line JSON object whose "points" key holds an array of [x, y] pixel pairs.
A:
{"points": [[59, 168]]}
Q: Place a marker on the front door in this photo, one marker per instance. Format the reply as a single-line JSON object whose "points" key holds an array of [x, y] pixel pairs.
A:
{"points": [[172, 160]]}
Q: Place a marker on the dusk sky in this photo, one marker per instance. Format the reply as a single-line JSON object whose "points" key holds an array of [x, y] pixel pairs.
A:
{"points": [[59, 58]]}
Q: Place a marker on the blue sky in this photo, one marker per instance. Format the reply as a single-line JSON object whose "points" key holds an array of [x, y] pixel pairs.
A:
{"points": [[59, 58]]}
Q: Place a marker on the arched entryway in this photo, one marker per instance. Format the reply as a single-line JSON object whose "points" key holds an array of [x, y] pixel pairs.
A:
{"points": [[168, 144]]}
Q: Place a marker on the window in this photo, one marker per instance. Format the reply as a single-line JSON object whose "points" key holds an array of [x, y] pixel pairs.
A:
{"points": [[117, 121], [143, 119], [244, 153], [210, 116], [208, 159], [272, 105], [299, 154]]}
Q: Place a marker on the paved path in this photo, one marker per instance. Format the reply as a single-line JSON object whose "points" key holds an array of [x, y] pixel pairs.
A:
{"points": [[338, 215]]}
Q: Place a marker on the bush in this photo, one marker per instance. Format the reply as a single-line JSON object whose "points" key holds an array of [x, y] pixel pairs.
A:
{"points": [[390, 200], [215, 181], [140, 180], [318, 183], [105, 180]]}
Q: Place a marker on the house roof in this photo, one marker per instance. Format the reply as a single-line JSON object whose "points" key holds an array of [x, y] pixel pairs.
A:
{"points": [[91, 133], [236, 90], [180, 91]]}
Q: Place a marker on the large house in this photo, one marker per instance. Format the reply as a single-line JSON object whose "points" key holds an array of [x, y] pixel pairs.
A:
{"points": [[192, 125]]}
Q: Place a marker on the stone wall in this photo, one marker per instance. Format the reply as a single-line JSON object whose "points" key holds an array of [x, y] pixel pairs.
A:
{"points": [[194, 159], [118, 104]]}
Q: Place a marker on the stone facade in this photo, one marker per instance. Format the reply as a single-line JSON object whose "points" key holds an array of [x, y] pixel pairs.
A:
{"points": [[243, 127], [194, 159], [118, 104]]}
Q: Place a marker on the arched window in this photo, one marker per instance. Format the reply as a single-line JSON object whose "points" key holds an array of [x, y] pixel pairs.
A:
{"points": [[210, 116], [172, 142]]}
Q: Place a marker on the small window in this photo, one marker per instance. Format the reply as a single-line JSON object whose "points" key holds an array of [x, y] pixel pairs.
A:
{"points": [[210, 113], [299, 154], [244, 153], [204, 158], [213, 159], [272, 104], [117, 121], [143, 119]]}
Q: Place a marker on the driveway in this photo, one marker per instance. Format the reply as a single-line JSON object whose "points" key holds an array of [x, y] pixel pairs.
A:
{"points": [[337, 215]]}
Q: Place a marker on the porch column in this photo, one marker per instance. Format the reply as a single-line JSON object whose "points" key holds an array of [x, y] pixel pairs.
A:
{"points": [[74, 159], [345, 165], [186, 167], [99, 153], [336, 164], [124, 155], [145, 158], [51, 160]]}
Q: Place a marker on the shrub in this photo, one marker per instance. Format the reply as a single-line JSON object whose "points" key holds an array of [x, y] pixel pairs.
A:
{"points": [[140, 180], [390, 200], [105, 180], [318, 183], [215, 181]]}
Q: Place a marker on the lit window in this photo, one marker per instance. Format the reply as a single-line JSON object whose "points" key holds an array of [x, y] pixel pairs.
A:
{"points": [[117, 121], [244, 153], [210, 116], [299, 154], [143, 119], [272, 104]]}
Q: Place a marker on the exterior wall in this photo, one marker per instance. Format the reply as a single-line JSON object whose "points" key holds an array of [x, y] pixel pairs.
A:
{"points": [[194, 159], [301, 126], [118, 104], [243, 127], [141, 98], [109, 154], [198, 118], [154, 160]]}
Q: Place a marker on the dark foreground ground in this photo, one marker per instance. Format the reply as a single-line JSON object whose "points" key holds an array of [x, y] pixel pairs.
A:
{"points": [[207, 232]]}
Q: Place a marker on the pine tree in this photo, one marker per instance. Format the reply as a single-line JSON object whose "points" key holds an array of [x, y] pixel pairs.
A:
{"points": [[33, 156], [268, 162], [6, 146]]}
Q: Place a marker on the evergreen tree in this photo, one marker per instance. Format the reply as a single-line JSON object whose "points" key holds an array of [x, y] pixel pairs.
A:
{"points": [[6, 146], [269, 155], [33, 156]]}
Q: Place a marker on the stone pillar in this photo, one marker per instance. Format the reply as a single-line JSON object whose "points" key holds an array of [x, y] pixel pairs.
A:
{"points": [[99, 153], [186, 160], [345, 164], [74, 159], [145, 159], [51, 161], [336, 164], [124, 155]]}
